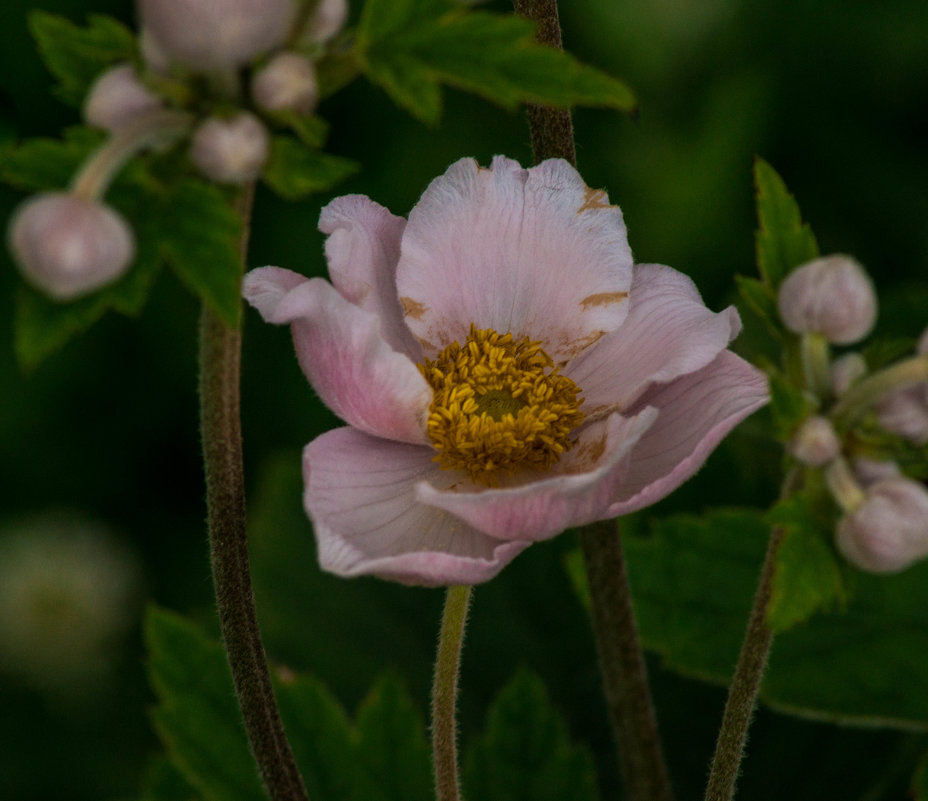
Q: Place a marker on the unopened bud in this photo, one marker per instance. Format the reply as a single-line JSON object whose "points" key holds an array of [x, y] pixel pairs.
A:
{"points": [[889, 530], [231, 151], [117, 97], [831, 296], [68, 246], [327, 19], [847, 371], [869, 471], [905, 411], [286, 83], [208, 35], [815, 442]]}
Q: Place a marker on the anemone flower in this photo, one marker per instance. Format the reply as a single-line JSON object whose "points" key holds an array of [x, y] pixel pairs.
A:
{"points": [[505, 371]]}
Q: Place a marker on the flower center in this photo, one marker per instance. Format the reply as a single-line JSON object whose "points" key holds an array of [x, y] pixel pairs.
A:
{"points": [[498, 405]]}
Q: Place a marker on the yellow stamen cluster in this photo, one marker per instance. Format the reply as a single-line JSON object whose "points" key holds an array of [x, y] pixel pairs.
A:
{"points": [[498, 405]]}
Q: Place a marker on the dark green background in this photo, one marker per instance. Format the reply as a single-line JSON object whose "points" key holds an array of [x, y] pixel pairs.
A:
{"points": [[834, 94]]}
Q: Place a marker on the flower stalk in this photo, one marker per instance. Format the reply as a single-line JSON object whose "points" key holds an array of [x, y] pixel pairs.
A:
{"points": [[863, 395], [220, 357], [444, 693], [745, 685]]}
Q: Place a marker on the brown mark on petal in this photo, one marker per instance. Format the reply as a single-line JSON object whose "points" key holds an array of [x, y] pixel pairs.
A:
{"points": [[602, 299], [584, 457], [412, 308], [570, 349], [595, 199]]}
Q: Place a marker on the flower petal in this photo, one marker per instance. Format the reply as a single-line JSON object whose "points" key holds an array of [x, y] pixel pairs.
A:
{"points": [[668, 332], [362, 249], [696, 412], [539, 510], [341, 350], [359, 494], [529, 252]]}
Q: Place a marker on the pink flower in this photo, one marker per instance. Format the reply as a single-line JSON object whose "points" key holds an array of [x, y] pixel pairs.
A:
{"points": [[504, 370]]}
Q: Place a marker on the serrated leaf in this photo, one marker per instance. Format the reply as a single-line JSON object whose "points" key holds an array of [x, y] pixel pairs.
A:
{"points": [[693, 580], [198, 232], [392, 744], [807, 578], [38, 164], [789, 405], [409, 48], [75, 55], [525, 753], [165, 782], [294, 171], [761, 300], [783, 240], [197, 716], [311, 129]]}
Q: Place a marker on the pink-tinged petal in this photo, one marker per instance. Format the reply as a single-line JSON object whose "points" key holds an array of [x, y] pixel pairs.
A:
{"points": [[359, 494], [529, 252], [583, 491], [669, 332], [696, 412], [362, 249], [341, 350]]}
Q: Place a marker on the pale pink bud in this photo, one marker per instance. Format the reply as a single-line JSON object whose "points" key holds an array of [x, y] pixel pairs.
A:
{"points": [[67, 246], [207, 35], [286, 83], [231, 151], [815, 442], [905, 411], [832, 296], [889, 530], [327, 19], [117, 97], [847, 371], [869, 471]]}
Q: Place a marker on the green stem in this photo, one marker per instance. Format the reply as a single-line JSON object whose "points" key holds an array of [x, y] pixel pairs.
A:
{"points": [[863, 395], [444, 693], [745, 684], [220, 426], [622, 665], [816, 360]]}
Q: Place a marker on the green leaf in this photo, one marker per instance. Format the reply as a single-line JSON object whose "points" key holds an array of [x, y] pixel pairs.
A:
{"points": [[783, 240], [38, 164], [311, 129], [197, 716], [761, 300], [393, 746], [165, 782], [808, 577], [294, 171], [198, 233], [411, 47], [525, 753], [789, 405], [75, 55], [693, 580]]}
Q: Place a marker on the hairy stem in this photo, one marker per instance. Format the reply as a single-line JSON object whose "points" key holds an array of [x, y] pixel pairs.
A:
{"points": [[220, 426], [745, 684], [444, 694], [621, 660]]}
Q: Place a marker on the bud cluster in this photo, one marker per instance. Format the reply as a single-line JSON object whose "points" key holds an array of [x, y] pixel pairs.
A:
{"points": [[215, 73], [883, 526]]}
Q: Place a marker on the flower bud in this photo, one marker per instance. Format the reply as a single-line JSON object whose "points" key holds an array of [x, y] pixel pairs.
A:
{"points": [[831, 296], [206, 35], [869, 471], [905, 411], [815, 442], [117, 97], [286, 83], [847, 371], [231, 151], [327, 19], [67, 246], [889, 530]]}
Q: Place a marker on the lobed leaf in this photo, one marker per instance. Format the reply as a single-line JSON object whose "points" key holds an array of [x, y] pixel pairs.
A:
{"points": [[525, 753], [761, 300], [75, 55], [783, 240], [294, 171]]}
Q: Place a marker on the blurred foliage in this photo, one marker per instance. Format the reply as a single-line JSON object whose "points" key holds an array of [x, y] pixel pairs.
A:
{"points": [[833, 94]]}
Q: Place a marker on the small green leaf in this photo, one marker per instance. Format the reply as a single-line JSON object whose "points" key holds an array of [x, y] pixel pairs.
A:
{"points": [[808, 577], [789, 405], [38, 164], [411, 47], [783, 240], [761, 300], [393, 745], [198, 232], [295, 171], [165, 782], [525, 753], [310, 128], [197, 716], [75, 55]]}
